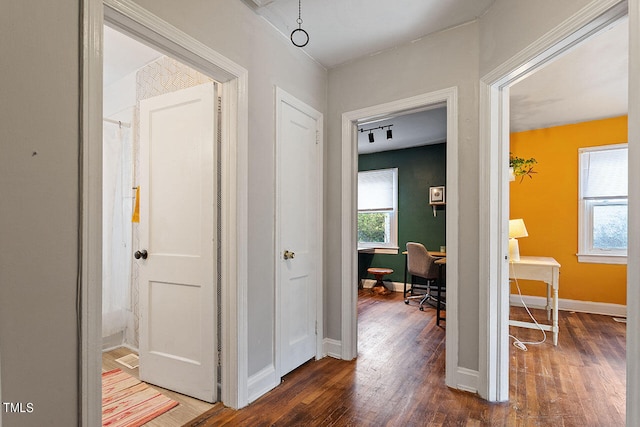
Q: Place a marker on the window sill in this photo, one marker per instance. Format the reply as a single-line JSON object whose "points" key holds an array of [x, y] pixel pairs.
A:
{"points": [[602, 259], [379, 250]]}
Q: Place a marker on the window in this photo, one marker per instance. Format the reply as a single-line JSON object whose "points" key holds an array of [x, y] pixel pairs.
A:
{"points": [[378, 210], [602, 234]]}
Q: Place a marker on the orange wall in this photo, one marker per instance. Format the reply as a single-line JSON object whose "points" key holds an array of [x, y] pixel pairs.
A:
{"points": [[548, 203]]}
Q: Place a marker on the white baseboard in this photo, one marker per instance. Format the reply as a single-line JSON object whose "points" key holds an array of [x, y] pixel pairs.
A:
{"points": [[396, 286], [467, 380], [604, 308], [262, 382], [332, 348]]}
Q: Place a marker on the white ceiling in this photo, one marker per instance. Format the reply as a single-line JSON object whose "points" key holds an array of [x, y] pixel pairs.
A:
{"points": [[341, 30], [587, 83], [123, 55], [409, 130]]}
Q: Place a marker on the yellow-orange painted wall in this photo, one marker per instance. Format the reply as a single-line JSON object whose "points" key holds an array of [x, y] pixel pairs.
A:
{"points": [[548, 203]]}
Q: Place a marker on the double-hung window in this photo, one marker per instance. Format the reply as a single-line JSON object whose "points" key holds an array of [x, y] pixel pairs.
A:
{"points": [[378, 210], [602, 234]]}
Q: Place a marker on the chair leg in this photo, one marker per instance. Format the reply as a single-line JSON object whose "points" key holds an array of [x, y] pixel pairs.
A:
{"points": [[408, 298], [428, 298]]}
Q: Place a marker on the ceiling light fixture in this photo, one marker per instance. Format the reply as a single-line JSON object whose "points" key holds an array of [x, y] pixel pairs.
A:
{"points": [[371, 137], [299, 33]]}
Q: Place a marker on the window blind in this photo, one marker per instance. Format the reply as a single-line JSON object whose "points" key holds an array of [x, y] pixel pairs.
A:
{"points": [[376, 190], [605, 173]]}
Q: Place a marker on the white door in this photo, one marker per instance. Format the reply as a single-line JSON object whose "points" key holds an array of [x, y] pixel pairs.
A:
{"points": [[177, 229], [298, 231]]}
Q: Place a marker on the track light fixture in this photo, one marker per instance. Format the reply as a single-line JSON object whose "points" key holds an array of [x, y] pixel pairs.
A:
{"points": [[372, 138]]}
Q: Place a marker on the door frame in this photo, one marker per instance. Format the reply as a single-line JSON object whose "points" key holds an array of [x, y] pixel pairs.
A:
{"points": [[456, 377], [494, 184], [284, 97], [137, 22]]}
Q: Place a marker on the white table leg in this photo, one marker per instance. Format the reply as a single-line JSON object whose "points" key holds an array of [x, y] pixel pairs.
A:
{"points": [[555, 316], [548, 307]]}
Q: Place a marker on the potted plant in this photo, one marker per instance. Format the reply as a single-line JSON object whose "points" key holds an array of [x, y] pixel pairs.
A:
{"points": [[521, 167]]}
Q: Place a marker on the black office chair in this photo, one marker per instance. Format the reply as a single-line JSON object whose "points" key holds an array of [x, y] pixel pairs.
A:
{"points": [[420, 264]]}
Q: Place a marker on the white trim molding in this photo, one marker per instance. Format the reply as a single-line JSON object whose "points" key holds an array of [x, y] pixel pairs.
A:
{"points": [[603, 308], [449, 98], [262, 382], [137, 22], [633, 268], [332, 348], [494, 192], [467, 380]]}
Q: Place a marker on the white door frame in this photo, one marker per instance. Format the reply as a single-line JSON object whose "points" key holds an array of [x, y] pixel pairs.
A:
{"points": [[283, 96], [454, 377], [137, 22], [494, 190]]}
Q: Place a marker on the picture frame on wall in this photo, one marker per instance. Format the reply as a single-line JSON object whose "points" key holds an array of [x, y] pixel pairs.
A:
{"points": [[437, 195]]}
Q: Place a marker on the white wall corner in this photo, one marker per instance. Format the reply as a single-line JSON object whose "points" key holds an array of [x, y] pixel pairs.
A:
{"points": [[262, 381], [332, 348], [467, 380]]}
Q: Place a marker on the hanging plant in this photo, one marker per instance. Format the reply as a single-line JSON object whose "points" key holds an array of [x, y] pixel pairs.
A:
{"points": [[522, 167]]}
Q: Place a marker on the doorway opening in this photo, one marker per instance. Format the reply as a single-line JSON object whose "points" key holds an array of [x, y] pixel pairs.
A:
{"points": [[136, 22], [159, 114], [495, 137], [447, 99]]}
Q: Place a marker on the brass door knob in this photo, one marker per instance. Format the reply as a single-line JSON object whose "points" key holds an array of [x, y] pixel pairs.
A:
{"points": [[289, 255]]}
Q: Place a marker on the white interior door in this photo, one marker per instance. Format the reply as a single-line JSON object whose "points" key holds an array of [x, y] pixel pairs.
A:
{"points": [[177, 229], [298, 229]]}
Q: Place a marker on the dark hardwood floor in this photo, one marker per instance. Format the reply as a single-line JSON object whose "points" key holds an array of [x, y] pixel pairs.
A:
{"points": [[398, 378]]}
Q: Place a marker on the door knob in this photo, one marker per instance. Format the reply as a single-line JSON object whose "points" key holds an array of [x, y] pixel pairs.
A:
{"points": [[141, 254], [289, 255]]}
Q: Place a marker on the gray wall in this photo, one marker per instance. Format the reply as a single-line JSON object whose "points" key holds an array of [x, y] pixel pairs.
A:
{"points": [[39, 194], [446, 59], [39, 209], [235, 31], [456, 57]]}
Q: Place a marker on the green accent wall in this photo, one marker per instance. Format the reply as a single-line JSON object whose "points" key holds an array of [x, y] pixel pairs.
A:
{"points": [[418, 169]]}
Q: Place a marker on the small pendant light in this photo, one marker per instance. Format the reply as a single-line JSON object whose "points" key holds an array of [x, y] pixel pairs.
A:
{"points": [[299, 31]]}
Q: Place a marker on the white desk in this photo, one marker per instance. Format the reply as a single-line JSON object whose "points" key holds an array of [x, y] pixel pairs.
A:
{"points": [[546, 270]]}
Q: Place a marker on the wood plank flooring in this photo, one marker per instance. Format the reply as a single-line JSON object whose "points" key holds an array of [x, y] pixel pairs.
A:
{"points": [[187, 408], [398, 378]]}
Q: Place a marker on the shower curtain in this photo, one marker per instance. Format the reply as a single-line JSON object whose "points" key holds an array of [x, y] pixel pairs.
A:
{"points": [[117, 200]]}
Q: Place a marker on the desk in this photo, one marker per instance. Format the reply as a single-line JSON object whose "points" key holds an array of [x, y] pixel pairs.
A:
{"points": [[442, 264], [546, 270]]}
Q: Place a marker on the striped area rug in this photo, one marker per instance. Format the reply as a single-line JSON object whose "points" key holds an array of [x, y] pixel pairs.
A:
{"points": [[129, 402]]}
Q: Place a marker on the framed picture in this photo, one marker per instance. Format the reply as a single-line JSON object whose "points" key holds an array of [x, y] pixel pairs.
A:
{"points": [[436, 195]]}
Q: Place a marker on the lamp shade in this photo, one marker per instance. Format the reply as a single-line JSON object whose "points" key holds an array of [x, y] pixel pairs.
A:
{"points": [[517, 228]]}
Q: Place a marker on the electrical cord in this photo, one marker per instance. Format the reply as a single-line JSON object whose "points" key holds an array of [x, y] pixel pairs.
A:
{"points": [[518, 343]]}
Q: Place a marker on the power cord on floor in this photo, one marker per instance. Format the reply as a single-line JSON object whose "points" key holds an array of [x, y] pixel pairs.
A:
{"points": [[522, 345]]}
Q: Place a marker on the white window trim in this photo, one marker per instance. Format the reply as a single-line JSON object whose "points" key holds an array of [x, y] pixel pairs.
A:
{"points": [[586, 253], [392, 246]]}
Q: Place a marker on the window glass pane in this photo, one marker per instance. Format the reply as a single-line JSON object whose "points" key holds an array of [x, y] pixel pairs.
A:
{"points": [[373, 227], [376, 190], [610, 227], [604, 173]]}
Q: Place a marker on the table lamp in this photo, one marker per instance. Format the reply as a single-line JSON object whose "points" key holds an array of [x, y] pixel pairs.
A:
{"points": [[516, 230]]}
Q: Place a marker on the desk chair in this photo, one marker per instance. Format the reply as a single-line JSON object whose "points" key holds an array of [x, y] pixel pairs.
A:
{"points": [[421, 264]]}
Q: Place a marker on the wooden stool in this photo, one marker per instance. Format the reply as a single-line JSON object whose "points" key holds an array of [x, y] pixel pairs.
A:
{"points": [[379, 273]]}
